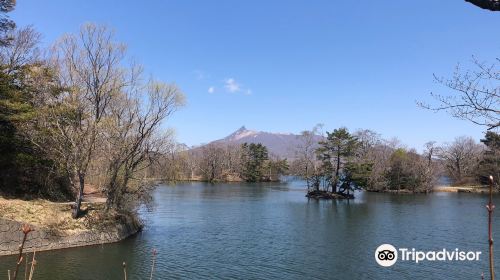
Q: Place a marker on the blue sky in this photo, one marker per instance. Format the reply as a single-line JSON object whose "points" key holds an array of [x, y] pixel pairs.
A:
{"points": [[284, 66]]}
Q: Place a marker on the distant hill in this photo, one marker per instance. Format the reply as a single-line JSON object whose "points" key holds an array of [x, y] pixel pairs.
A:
{"points": [[281, 144]]}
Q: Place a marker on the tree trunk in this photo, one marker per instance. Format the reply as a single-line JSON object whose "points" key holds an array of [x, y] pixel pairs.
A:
{"points": [[76, 210], [335, 183]]}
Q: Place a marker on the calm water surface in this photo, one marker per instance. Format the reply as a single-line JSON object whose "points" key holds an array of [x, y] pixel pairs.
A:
{"points": [[243, 231]]}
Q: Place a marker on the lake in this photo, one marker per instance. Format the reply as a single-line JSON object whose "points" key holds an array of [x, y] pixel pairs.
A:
{"points": [[271, 231]]}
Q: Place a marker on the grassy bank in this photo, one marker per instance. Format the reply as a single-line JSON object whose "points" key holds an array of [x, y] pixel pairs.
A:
{"points": [[54, 228], [55, 216]]}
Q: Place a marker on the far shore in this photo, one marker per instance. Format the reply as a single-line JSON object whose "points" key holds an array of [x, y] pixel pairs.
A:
{"points": [[465, 189], [441, 188]]}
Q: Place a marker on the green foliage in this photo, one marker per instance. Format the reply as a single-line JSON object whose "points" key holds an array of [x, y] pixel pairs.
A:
{"points": [[335, 153], [408, 171], [490, 163], [356, 176], [253, 158], [24, 169], [276, 168]]}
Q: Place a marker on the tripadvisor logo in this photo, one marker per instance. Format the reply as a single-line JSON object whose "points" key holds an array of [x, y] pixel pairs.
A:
{"points": [[386, 255]]}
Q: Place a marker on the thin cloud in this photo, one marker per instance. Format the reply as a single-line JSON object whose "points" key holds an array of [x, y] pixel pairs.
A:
{"points": [[200, 75], [231, 85]]}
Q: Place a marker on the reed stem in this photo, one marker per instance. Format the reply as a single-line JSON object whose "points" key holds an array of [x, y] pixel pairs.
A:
{"points": [[490, 208], [125, 270]]}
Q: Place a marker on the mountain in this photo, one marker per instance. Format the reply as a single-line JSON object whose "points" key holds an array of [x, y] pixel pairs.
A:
{"points": [[280, 144]]}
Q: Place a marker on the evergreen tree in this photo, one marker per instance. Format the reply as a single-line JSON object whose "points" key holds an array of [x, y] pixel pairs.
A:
{"points": [[356, 176], [490, 163], [253, 158], [335, 152], [25, 170], [276, 168], [6, 24]]}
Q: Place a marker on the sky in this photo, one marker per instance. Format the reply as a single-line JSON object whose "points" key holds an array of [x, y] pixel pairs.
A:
{"points": [[285, 66]]}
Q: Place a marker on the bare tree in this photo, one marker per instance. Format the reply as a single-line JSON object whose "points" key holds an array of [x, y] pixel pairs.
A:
{"points": [[461, 158], [133, 136], [89, 73], [231, 161], [173, 164], [475, 94], [211, 162], [306, 155], [429, 166], [192, 163], [22, 50]]}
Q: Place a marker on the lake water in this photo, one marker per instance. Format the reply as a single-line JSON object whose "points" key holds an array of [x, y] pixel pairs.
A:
{"points": [[271, 231]]}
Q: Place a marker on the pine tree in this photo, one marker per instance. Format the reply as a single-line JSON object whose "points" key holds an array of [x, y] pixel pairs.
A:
{"points": [[490, 163], [253, 159], [335, 152]]}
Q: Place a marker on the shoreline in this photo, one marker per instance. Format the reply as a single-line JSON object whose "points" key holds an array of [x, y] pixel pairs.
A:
{"points": [[465, 189], [54, 228]]}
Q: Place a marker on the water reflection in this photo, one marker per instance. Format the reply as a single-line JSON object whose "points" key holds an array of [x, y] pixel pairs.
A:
{"points": [[263, 231]]}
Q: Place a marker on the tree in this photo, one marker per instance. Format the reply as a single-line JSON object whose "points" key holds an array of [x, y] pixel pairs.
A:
{"points": [[25, 169], [397, 173], [492, 5], [490, 163], [6, 24], [253, 157], [275, 168], [474, 96], [211, 162], [306, 156], [374, 153], [173, 164], [133, 140], [429, 165], [334, 153], [356, 176], [461, 158], [409, 171], [89, 73]]}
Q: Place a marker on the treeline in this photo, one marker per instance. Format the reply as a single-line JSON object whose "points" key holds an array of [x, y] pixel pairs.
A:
{"points": [[346, 161], [217, 162], [341, 163], [78, 114]]}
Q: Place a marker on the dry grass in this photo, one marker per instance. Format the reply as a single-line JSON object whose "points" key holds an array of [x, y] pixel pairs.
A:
{"points": [[54, 216], [472, 188]]}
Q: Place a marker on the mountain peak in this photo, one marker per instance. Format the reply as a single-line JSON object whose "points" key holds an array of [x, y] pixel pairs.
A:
{"points": [[240, 133], [241, 129], [280, 144]]}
